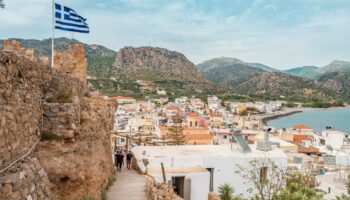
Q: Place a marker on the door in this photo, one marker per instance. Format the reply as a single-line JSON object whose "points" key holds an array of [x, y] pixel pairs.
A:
{"points": [[178, 185], [211, 183]]}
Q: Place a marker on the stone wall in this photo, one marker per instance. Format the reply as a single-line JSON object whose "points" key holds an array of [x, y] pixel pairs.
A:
{"points": [[25, 180], [73, 62], [75, 164], [61, 119], [160, 191], [21, 83], [81, 167]]}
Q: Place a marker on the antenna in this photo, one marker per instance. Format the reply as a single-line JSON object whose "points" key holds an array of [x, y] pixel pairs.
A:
{"points": [[2, 4]]}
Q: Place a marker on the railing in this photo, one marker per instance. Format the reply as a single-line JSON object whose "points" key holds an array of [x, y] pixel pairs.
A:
{"points": [[23, 156]]}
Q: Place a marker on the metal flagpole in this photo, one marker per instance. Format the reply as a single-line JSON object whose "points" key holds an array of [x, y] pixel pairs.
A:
{"points": [[53, 34]]}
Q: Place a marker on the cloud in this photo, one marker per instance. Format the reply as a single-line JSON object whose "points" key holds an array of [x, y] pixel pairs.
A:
{"points": [[277, 33]]}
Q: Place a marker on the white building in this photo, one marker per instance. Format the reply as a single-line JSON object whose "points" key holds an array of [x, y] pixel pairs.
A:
{"points": [[195, 170]]}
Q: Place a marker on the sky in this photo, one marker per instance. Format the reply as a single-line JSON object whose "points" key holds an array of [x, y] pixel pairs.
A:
{"points": [[277, 33]]}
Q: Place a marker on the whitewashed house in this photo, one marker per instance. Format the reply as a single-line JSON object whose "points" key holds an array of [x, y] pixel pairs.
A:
{"points": [[196, 170]]}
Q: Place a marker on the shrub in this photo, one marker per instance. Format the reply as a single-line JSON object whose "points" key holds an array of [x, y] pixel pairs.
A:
{"points": [[226, 192], [50, 137]]}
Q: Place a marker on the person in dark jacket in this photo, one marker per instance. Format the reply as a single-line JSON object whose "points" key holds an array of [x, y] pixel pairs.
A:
{"points": [[119, 160], [128, 159]]}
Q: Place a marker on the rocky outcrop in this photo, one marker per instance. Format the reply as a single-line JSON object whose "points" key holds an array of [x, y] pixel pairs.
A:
{"points": [[73, 159], [158, 64], [81, 167]]}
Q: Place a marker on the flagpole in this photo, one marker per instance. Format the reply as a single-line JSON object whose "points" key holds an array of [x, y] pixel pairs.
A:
{"points": [[53, 34]]}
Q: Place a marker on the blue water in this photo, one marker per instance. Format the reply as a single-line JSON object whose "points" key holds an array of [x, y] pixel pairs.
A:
{"points": [[317, 119]]}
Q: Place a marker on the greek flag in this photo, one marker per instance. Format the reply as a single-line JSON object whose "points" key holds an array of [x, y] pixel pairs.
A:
{"points": [[68, 20]]}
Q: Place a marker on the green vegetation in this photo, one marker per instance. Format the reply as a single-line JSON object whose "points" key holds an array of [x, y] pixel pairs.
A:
{"points": [[175, 132], [111, 180], [290, 104], [226, 192], [50, 137], [64, 97], [244, 112], [271, 182]]}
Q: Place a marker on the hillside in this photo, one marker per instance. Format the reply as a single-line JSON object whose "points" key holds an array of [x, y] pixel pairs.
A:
{"points": [[263, 67], [167, 69], [277, 84], [304, 71], [100, 59], [226, 70], [317, 72], [337, 81]]}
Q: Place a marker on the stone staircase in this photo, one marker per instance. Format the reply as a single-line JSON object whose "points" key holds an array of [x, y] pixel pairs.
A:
{"points": [[129, 185]]}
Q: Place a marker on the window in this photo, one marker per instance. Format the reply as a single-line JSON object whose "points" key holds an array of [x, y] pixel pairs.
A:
{"points": [[225, 136], [263, 174], [190, 124], [196, 124]]}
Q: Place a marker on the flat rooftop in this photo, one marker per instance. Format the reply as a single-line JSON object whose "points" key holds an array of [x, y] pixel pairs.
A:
{"points": [[181, 170], [202, 151]]}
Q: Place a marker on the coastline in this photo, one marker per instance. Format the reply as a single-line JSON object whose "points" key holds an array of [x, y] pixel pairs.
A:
{"points": [[265, 118]]}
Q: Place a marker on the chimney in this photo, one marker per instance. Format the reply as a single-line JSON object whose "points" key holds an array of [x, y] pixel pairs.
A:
{"points": [[265, 145]]}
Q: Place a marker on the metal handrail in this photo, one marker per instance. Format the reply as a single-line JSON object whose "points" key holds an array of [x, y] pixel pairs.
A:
{"points": [[19, 159]]}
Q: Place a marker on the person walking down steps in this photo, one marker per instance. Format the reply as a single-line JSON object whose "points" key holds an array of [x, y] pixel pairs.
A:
{"points": [[119, 157], [128, 160]]}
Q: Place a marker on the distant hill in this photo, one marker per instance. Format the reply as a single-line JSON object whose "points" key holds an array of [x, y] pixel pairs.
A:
{"points": [[100, 59], [336, 66], [277, 84], [227, 61], [317, 72], [163, 67], [260, 80], [263, 67], [305, 71], [337, 81]]}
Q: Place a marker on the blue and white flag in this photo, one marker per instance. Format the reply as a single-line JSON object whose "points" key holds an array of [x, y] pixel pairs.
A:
{"points": [[68, 20]]}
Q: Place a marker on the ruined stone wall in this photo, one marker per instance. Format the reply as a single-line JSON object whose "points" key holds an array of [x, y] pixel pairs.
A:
{"points": [[73, 159], [81, 167], [61, 119], [21, 94], [25, 180], [73, 62], [160, 191]]}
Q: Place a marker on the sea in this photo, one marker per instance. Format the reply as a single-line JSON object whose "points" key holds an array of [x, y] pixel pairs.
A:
{"points": [[337, 118]]}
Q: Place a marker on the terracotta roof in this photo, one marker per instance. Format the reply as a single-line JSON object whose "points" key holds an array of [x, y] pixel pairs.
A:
{"points": [[302, 127], [171, 108], [198, 136], [300, 137], [193, 114], [215, 115]]}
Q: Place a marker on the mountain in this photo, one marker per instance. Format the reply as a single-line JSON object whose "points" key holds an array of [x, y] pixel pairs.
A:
{"points": [[161, 66], [317, 72], [100, 59], [337, 81], [263, 67], [336, 66], [304, 71], [217, 63], [226, 70], [227, 61], [277, 84]]}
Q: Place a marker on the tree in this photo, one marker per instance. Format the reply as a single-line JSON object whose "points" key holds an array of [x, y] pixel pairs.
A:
{"points": [[345, 196], [175, 132], [226, 192], [265, 177], [299, 186], [244, 112], [275, 183]]}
